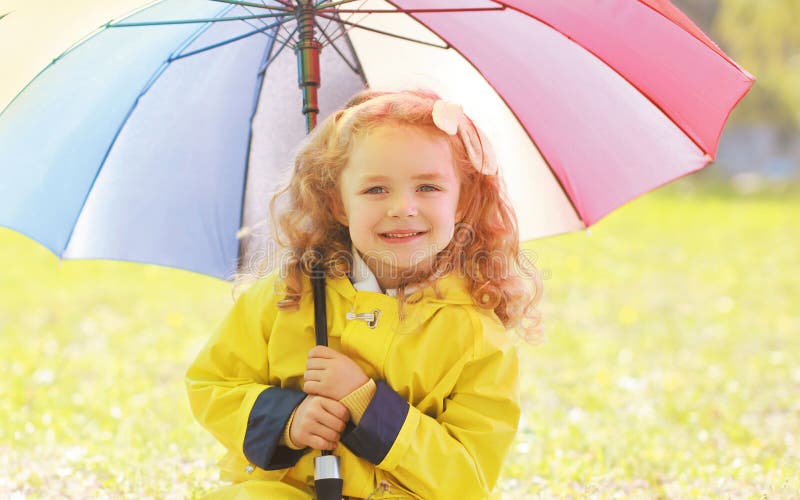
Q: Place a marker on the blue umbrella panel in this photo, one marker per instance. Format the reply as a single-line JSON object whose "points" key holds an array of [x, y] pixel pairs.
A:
{"points": [[157, 143]]}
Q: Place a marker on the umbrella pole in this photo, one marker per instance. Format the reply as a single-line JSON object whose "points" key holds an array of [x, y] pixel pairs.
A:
{"points": [[327, 477], [307, 50]]}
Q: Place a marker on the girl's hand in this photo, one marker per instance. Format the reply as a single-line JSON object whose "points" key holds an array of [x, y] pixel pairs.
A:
{"points": [[331, 374], [318, 423]]}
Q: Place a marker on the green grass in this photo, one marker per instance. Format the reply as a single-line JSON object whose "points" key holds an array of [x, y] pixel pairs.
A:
{"points": [[670, 368]]}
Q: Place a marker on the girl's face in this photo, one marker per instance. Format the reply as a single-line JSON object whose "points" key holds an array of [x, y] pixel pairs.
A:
{"points": [[400, 196]]}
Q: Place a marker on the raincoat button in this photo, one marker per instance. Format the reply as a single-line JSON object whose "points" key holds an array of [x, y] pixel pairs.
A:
{"points": [[249, 469], [371, 317]]}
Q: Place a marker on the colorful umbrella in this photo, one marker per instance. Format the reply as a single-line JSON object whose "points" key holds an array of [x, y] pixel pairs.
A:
{"points": [[160, 135]]}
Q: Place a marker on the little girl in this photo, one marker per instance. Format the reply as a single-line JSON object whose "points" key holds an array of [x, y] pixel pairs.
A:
{"points": [[398, 198]]}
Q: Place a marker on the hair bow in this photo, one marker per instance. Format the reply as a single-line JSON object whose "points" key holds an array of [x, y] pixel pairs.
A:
{"points": [[450, 118]]}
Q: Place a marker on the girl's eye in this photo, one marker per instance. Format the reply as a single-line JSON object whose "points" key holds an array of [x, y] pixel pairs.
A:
{"points": [[426, 188]]}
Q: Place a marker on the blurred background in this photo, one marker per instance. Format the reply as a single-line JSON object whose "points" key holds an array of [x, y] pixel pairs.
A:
{"points": [[669, 369], [761, 144]]}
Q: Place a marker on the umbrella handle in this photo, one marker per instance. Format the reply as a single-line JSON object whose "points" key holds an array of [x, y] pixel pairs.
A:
{"points": [[320, 318], [327, 477]]}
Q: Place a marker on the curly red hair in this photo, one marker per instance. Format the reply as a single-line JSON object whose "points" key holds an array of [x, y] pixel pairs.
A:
{"points": [[485, 247]]}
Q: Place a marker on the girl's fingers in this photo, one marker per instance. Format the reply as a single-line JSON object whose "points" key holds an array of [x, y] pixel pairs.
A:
{"points": [[315, 364], [319, 443], [315, 436], [322, 351], [312, 387], [332, 422], [322, 422], [327, 413], [327, 434], [335, 409], [313, 375]]}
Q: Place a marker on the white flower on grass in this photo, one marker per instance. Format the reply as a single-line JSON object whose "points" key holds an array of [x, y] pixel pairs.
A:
{"points": [[44, 376]]}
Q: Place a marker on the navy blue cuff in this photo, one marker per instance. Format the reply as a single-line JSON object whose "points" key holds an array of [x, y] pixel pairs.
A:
{"points": [[378, 428], [265, 426]]}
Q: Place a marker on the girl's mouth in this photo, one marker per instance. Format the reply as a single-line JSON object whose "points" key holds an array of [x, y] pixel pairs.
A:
{"points": [[401, 237]]}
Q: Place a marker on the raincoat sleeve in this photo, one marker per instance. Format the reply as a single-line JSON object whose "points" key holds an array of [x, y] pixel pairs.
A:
{"points": [[227, 383], [459, 453]]}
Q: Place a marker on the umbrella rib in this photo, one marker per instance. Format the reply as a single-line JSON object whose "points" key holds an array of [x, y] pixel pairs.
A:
{"points": [[572, 203], [264, 67], [259, 86], [287, 7], [696, 37], [86, 37], [194, 21], [381, 32], [275, 35], [288, 36], [641, 92], [293, 8], [252, 13], [199, 31], [357, 60], [323, 5], [287, 40], [268, 7], [344, 31], [260, 77], [231, 40], [419, 11], [83, 40], [329, 21], [352, 66]]}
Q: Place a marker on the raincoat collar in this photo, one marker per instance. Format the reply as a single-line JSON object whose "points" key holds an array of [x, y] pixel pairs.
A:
{"points": [[362, 276], [452, 286], [364, 279]]}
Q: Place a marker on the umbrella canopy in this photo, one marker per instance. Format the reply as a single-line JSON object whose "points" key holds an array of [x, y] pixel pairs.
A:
{"points": [[160, 135]]}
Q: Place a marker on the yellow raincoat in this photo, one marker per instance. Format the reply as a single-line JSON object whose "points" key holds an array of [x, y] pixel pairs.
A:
{"points": [[439, 426]]}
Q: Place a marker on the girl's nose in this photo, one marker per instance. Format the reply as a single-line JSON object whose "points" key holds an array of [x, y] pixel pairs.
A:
{"points": [[402, 206]]}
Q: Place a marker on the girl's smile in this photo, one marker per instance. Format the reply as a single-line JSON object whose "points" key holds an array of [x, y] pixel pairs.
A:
{"points": [[402, 236], [399, 194]]}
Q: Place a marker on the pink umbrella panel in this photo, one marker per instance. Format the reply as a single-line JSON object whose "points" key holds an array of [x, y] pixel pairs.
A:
{"points": [[617, 97]]}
